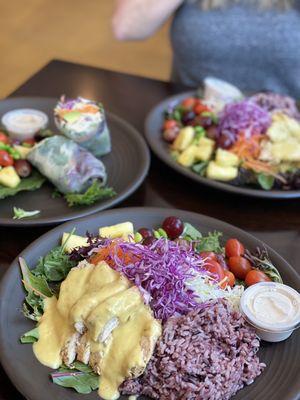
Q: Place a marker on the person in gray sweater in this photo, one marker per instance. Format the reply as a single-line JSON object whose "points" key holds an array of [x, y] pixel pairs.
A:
{"points": [[253, 44]]}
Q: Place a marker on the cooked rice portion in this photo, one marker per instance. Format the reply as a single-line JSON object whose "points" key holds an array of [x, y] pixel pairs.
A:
{"points": [[208, 354]]}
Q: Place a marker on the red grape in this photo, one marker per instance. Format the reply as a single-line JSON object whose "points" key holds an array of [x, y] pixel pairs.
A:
{"points": [[148, 241], [145, 232], [173, 227], [23, 168]]}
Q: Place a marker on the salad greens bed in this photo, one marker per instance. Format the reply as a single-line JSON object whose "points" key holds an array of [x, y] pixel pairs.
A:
{"points": [[51, 269]]}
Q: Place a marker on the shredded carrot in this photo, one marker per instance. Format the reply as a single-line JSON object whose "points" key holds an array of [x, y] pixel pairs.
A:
{"points": [[104, 254], [89, 108]]}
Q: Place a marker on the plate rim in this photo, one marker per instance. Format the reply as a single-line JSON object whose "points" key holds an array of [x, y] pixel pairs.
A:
{"points": [[292, 392], [158, 148], [131, 188]]}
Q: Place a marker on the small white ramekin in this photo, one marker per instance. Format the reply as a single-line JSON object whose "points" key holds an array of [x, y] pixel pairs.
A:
{"points": [[267, 331], [18, 132]]}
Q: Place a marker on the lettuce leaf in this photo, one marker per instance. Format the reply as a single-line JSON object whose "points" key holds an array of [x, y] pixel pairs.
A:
{"points": [[211, 242], [30, 336], [79, 377], [191, 233], [33, 182]]}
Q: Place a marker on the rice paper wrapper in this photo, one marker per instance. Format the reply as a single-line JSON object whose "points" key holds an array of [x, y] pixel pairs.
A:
{"points": [[67, 165], [91, 134]]}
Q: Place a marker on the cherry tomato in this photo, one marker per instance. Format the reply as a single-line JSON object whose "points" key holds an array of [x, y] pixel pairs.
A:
{"points": [[189, 102], [230, 278], [208, 255], [169, 124], [234, 248], [199, 108], [6, 159], [239, 266], [4, 138], [254, 276], [215, 268]]}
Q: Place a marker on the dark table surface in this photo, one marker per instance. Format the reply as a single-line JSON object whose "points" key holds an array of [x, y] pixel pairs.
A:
{"points": [[276, 222]]}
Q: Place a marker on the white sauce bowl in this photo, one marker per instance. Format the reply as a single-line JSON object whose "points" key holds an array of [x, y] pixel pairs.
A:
{"points": [[24, 123], [273, 309]]}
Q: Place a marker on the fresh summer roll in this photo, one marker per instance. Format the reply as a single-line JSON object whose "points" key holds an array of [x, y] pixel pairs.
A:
{"points": [[84, 122], [70, 168]]}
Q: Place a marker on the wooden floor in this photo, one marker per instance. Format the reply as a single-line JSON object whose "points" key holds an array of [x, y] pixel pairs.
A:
{"points": [[32, 32]]}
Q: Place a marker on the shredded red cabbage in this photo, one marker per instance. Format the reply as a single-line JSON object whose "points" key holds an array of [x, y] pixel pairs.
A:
{"points": [[160, 272], [243, 117]]}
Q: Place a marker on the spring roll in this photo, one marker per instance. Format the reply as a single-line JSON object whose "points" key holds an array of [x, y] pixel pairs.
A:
{"points": [[67, 165], [84, 122]]}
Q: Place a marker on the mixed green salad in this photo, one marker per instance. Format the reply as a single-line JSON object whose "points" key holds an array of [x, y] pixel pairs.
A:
{"points": [[216, 269]]}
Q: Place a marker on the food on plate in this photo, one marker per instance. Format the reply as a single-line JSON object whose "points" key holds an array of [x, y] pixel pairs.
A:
{"points": [[219, 92], [19, 213], [252, 141], [200, 366], [83, 121], [68, 166], [150, 311], [75, 172], [24, 123], [273, 309]]}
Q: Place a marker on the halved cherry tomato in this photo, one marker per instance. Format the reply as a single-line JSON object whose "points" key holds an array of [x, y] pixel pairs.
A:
{"points": [[208, 255], [215, 268], [255, 276], [6, 159], [239, 266], [4, 138], [188, 103], [170, 124], [230, 278], [199, 108], [234, 248]]}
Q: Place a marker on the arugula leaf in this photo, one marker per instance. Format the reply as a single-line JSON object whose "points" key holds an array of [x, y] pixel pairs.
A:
{"points": [[265, 181], [260, 259], [199, 133], [211, 242], [55, 265], [79, 377], [191, 233], [20, 213], [30, 336], [200, 168], [94, 193], [33, 182], [32, 283]]}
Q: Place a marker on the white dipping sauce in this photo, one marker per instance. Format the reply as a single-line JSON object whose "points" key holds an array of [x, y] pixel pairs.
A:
{"points": [[24, 123], [272, 308]]}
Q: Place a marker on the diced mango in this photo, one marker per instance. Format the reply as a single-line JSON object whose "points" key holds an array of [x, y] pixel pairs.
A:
{"points": [[9, 177], [226, 158], [22, 150], [217, 172], [124, 230], [187, 157], [205, 149], [184, 138], [73, 241]]}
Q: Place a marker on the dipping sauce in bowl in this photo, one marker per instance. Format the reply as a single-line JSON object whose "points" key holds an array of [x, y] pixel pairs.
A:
{"points": [[24, 123], [273, 309]]}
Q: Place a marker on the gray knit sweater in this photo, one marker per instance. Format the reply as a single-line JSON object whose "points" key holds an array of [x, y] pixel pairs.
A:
{"points": [[253, 49]]}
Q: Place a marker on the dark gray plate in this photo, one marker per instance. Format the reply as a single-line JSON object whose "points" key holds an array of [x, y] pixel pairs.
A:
{"points": [[127, 166], [153, 126], [279, 381]]}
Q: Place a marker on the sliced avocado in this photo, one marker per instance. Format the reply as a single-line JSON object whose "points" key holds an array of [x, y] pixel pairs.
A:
{"points": [[72, 116]]}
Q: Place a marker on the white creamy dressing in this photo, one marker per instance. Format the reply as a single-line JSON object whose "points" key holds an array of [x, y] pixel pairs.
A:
{"points": [[272, 306], [24, 122]]}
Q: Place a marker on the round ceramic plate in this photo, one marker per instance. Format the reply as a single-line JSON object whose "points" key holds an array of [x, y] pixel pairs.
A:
{"points": [[279, 381], [153, 124], [127, 165]]}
